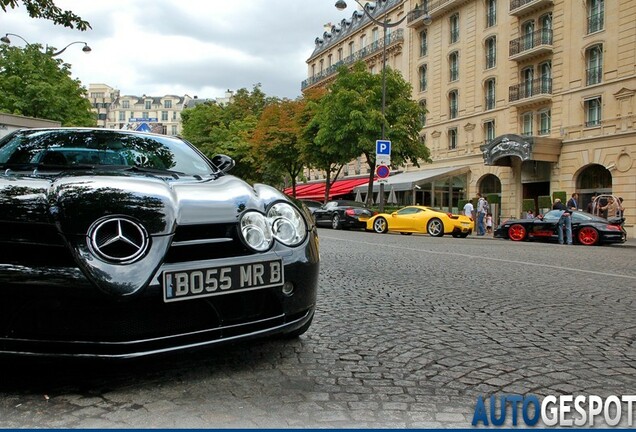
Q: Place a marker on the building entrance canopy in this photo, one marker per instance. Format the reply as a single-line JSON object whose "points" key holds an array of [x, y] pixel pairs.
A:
{"points": [[408, 180], [502, 149]]}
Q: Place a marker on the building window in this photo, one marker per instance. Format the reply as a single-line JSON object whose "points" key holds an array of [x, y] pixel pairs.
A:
{"points": [[423, 78], [452, 138], [527, 30], [125, 104], [454, 28], [174, 115], [95, 95], [595, 15], [122, 115], [593, 112], [545, 122], [167, 104], [423, 112], [453, 63], [164, 115], [145, 115], [452, 104], [594, 58], [339, 54], [173, 130], [322, 65], [526, 124], [490, 94], [491, 52], [546, 77], [489, 131], [148, 105], [491, 13], [351, 48], [528, 82], [423, 43]]}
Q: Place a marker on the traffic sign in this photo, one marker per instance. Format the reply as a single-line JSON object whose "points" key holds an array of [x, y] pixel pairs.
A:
{"points": [[382, 171], [383, 147]]}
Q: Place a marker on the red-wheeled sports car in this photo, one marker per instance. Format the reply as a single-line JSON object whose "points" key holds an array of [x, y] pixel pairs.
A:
{"points": [[587, 229]]}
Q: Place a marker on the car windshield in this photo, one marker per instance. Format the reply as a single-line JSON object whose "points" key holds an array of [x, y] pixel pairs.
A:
{"points": [[72, 148]]}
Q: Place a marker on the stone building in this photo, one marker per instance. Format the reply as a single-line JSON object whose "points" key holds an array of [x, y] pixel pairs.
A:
{"points": [[524, 98]]}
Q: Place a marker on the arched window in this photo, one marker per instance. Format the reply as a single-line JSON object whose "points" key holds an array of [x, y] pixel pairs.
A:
{"points": [[595, 15], [491, 13], [490, 101], [491, 52], [454, 28], [423, 77], [453, 103], [423, 112], [594, 60], [453, 63], [423, 43]]}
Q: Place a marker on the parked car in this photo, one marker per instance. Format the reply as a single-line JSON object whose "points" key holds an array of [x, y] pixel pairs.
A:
{"points": [[343, 214], [124, 244], [421, 219], [587, 229], [311, 204]]}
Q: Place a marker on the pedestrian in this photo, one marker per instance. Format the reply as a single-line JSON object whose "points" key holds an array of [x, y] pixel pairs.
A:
{"points": [[592, 205], [469, 209], [482, 209], [573, 203], [565, 222], [489, 223], [530, 215], [612, 208]]}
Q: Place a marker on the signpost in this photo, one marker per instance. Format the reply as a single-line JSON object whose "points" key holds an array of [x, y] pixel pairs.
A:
{"points": [[382, 163]]}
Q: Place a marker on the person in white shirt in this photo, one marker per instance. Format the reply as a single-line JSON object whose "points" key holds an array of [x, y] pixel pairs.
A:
{"points": [[468, 209]]}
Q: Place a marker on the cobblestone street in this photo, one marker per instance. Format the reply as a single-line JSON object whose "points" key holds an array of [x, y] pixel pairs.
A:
{"points": [[409, 331]]}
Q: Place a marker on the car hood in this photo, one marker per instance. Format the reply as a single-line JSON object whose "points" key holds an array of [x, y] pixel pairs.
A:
{"points": [[73, 202]]}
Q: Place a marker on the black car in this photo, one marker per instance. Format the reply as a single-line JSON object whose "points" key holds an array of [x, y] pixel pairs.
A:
{"points": [[123, 244], [587, 229], [342, 214]]}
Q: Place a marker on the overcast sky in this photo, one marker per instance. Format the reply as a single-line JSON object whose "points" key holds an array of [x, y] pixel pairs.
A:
{"points": [[193, 47]]}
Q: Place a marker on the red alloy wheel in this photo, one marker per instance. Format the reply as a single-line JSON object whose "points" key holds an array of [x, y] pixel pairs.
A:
{"points": [[517, 232], [588, 236]]}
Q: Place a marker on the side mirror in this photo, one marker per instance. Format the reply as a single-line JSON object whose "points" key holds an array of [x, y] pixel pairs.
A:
{"points": [[394, 214], [223, 162]]}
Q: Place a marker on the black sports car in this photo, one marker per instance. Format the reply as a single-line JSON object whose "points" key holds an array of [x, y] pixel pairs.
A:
{"points": [[341, 214], [122, 244], [587, 229]]}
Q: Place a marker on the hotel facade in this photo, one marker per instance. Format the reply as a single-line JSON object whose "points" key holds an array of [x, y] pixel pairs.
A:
{"points": [[524, 98]]}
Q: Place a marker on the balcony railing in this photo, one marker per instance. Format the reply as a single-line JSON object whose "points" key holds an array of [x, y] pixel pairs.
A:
{"points": [[531, 41], [433, 8], [375, 47], [594, 75], [595, 22], [525, 90], [520, 7]]}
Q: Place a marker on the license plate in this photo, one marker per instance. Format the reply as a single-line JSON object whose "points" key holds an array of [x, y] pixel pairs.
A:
{"points": [[211, 281]]}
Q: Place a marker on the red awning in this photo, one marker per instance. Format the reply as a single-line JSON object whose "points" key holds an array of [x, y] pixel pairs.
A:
{"points": [[317, 190]]}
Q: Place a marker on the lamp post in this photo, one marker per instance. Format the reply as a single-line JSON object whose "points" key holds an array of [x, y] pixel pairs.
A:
{"points": [[5, 39], [426, 19]]}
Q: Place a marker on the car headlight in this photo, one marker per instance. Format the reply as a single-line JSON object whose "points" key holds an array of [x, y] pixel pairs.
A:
{"points": [[256, 231], [288, 225], [283, 223]]}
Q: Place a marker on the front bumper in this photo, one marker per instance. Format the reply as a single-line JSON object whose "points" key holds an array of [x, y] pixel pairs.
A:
{"points": [[58, 312]]}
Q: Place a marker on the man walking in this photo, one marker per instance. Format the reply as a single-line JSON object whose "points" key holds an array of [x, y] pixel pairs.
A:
{"points": [[468, 209], [564, 222], [573, 203], [482, 209]]}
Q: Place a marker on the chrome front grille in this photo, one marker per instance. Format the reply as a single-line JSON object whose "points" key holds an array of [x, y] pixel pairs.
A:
{"points": [[204, 242]]}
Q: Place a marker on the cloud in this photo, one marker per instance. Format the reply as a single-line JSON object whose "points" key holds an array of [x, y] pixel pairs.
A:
{"points": [[190, 47]]}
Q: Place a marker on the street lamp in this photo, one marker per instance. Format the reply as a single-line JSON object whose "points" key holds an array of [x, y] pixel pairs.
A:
{"points": [[426, 19], [5, 39]]}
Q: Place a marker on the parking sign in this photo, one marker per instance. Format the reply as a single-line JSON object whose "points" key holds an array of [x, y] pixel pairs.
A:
{"points": [[383, 147]]}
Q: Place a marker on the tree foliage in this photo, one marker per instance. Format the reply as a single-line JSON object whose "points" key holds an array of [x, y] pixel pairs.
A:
{"points": [[34, 84], [46, 9], [279, 139], [349, 118], [228, 130]]}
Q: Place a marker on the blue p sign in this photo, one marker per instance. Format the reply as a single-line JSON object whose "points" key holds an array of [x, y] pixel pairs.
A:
{"points": [[383, 147]]}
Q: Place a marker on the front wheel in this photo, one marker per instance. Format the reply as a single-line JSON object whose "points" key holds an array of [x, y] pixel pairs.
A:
{"points": [[380, 225], [588, 236], [435, 228], [517, 232], [335, 221]]}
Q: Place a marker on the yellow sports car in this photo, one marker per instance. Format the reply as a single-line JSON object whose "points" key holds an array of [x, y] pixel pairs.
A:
{"points": [[420, 219]]}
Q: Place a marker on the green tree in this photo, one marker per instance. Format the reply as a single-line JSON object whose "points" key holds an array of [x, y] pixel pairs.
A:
{"points": [[350, 117], [34, 84], [46, 9], [228, 129]]}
